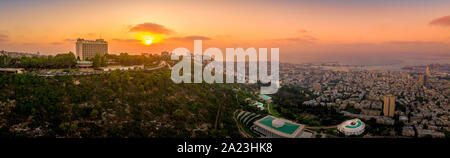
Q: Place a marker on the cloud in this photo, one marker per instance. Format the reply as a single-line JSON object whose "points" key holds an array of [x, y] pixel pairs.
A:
{"points": [[304, 37], [125, 40], [297, 40], [69, 40], [56, 43], [442, 21], [4, 38], [189, 38], [414, 43], [302, 31], [294, 39], [309, 37], [151, 27]]}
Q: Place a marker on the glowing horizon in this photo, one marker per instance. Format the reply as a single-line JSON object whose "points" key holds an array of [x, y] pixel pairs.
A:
{"points": [[296, 27]]}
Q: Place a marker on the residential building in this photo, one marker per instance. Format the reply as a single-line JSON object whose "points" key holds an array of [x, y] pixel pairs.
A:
{"points": [[389, 105]]}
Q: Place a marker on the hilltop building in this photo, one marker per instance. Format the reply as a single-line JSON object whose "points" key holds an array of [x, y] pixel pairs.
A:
{"points": [[87, 49]]}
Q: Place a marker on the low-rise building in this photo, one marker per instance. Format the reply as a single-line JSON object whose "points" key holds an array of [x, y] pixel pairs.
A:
{"points": [[432, 133], [266, 98], [408, 131], [123, 68], [12, 70], [403, 118], [272, 127], [84, 64]]}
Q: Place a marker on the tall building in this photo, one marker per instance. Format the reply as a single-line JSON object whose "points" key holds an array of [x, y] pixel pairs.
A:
{"points": [[87, 49], [427, 75], [389, 105], [428, 71], [403, 77], [421, 80]]}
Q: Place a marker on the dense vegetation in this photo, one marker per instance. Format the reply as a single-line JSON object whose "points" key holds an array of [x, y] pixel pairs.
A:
{"points": [[68, 60], [289, 100], [99, 61], [48, 62], [126, 60], [115, 104]]}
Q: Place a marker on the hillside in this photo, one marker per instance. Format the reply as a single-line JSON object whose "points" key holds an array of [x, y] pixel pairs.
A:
{"points": [[116, 104]]}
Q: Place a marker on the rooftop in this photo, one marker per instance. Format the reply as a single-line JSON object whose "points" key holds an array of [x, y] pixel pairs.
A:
{"points": [[354, 124], [287, 128]]}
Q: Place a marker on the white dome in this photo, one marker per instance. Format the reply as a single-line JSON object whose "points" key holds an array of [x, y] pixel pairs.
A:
{"points": [[352, 127], [278, 123]]}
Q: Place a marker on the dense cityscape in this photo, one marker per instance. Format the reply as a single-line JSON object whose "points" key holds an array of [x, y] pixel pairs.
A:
{"points": [[213, 78], [313, 100], [421, 98]]}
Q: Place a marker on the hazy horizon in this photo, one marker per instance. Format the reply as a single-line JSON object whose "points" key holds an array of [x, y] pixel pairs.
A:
{"points": [[348, 31]]}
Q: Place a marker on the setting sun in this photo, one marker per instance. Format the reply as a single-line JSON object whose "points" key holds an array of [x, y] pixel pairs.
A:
{"points": [[148, 38], [148, 42]]}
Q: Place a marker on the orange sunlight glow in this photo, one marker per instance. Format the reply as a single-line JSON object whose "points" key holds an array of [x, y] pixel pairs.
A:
{"points": [[148, 38]]}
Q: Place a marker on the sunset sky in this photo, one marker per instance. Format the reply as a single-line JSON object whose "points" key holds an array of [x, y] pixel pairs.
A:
{"points": [[302, 29]]}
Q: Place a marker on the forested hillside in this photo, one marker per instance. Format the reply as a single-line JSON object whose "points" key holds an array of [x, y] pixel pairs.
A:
{"points": [[115, 104]]}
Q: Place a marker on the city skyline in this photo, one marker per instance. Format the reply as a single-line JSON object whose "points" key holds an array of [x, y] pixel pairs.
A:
{"points": [[304, 31], [225, 70]]}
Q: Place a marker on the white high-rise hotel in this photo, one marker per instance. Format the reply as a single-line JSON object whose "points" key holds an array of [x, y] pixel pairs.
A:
{"points": [[87, 49]]}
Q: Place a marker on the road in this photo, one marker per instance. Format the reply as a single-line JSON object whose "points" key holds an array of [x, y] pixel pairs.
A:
{"points": [[319, 127]]}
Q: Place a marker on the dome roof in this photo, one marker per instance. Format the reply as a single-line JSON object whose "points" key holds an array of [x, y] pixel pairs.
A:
{"points": [[278, 123], [352, 127]]}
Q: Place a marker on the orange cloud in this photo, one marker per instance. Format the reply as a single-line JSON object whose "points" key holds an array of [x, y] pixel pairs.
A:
{"points": [[303, 31], [69, 40], [303, 39], [126, 40], [56, 43], [442, 21], [413, 43], [3, 38], [151, 27], [189, 38]]}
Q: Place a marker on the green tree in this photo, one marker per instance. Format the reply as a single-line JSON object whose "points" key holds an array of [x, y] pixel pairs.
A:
{"points": [[97, 61], [94, 113], [104, 61], [178, 113]]}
